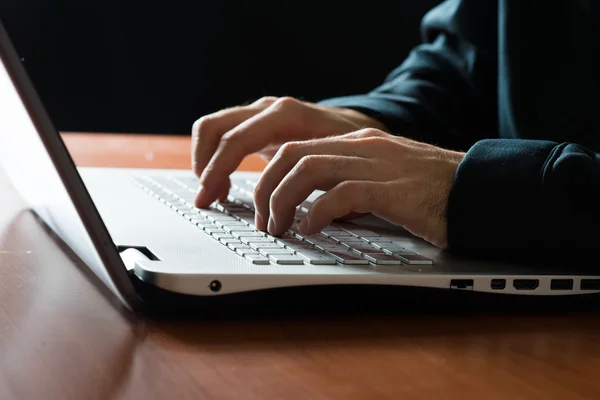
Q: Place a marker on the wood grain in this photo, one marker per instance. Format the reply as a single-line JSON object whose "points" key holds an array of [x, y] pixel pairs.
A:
{"points": [[138, 151], [62, 338]]}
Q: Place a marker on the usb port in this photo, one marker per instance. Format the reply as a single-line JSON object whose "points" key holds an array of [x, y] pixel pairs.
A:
{"points": [[498, 284], [465, 284], [526, 284], [561, 284], [590, 284]]}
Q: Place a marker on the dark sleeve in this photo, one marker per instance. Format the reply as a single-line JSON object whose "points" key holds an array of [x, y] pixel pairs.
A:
{"points": [[528, 198], [445, 91]]}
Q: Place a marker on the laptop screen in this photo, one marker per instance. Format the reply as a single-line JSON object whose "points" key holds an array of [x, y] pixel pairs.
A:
{"points": [[39, 167]]}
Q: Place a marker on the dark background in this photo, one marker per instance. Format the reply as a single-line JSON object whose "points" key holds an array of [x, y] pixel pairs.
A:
{"points": [[128, 66]]}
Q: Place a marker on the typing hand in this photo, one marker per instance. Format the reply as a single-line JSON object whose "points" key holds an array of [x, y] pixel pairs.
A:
{"points": [[368, 171], [220, 141]]}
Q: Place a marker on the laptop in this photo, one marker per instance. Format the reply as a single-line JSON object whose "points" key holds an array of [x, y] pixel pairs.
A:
{"points": [[139, 225]]}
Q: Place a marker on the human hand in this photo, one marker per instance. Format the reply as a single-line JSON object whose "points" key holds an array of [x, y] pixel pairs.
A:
{"points": [[220, 141], [368, 171]]}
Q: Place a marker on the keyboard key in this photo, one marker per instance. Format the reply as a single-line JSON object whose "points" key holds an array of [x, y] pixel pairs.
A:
{"points": [[318, 239], [332, 227], [239, 245], [348, 257], [221, 218], [243, 251], [269, 252], [363, 247], [381, 244], [381, 258], [350, 243], [232, 224], [206, 213], [297, 246], [226, 242], [295, 232], [341, 238], [331, 247], [239, 229], [255, 239], [413, 259], [240, 234], [257, 259], [305, 206], [286, 259], [257, 246], [398, 251], [249, 220], [316, 257], [223, 235], [213, 229], [287, 239], [362, 232], [199, 220], [356, 230], [232, 207]]}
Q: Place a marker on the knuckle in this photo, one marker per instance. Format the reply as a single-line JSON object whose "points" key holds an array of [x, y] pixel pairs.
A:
{"points": [[287, 149], [376, 141], [202, 126], [369, 133], [307, 164], [285, 102], [231, 137], [265, 101], [348, 187]]}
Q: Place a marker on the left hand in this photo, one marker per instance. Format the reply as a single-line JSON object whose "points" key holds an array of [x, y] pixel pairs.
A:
{"points": [[368, 171]]}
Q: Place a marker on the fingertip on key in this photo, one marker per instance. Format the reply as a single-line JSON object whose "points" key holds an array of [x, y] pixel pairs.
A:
{"points": [[202, 198], [260, 224], [303, 227], [271, 227]]}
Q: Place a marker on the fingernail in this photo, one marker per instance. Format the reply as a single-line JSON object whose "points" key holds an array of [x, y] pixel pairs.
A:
{"points": [[271, 226]]}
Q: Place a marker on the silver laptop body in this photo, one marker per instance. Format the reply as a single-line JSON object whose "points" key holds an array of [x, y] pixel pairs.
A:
{"points": [[120, 221]]}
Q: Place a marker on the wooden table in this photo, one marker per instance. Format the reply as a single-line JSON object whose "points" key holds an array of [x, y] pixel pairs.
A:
{"points": [[60, 338]]}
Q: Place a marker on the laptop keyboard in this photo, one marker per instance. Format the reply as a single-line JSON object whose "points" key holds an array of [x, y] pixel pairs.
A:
{"points": [[231, 223]]}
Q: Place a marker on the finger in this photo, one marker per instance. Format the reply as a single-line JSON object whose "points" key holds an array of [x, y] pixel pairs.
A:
{"points": [[225, 190], [208, 130], [314, 172], [290, 154], [275, 124], [348, 196]]}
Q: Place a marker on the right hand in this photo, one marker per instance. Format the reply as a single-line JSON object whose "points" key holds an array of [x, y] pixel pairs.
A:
{"points": [[220, 141]]}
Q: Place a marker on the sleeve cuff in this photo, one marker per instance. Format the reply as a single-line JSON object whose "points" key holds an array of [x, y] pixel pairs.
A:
{"points": [[496, 203]]}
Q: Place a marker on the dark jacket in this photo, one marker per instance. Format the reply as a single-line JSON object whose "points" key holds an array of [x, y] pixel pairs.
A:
{"points": [[517, 84]]}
